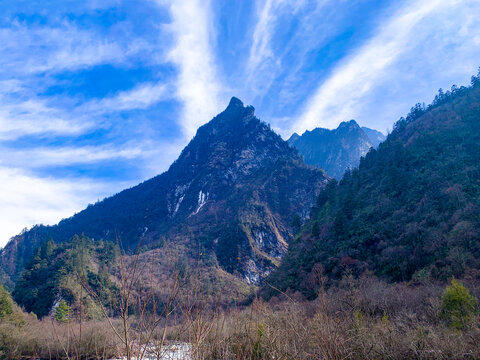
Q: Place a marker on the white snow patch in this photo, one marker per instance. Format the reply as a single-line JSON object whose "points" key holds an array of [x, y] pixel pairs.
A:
{"points": [[202, 198], [177, 206], [180, 189]]}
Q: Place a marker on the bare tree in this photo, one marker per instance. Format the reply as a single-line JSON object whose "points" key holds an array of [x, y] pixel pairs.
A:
{"points": [[139, 308]]}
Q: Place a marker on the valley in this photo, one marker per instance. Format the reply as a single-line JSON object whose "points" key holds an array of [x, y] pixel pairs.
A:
{"points": [[246, 249]]}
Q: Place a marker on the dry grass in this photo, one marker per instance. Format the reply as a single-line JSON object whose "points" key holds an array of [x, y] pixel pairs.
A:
{"points": [[358, 319], [289, 332], [47, 339]]}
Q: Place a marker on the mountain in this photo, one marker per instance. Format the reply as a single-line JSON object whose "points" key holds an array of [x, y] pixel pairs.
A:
{"points": [[411, 209], [336, 150], [375, 136], [228, 201]]}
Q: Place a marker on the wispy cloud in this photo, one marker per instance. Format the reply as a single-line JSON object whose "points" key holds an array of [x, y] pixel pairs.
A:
{"points": [[40, 130], [411, 30], [40, 157], [140, 97], [265, 63], [35, 117], [36, 48], [198, 86], [262, 35], [262, 59]]}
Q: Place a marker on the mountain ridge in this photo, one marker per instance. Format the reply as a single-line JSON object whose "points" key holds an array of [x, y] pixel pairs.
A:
{"points": [[236, 174]]}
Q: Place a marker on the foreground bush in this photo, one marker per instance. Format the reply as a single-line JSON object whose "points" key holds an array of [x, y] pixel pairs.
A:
{"points": [[459, 307]]}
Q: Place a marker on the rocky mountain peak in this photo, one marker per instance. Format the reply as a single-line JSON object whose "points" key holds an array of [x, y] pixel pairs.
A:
{"points": [[233, 192]]}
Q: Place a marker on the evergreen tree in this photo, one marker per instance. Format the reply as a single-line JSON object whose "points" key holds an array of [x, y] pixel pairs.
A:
{"points": [[62, 312]]}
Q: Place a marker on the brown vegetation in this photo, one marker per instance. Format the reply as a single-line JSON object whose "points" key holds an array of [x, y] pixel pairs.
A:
{"points": [[362, 318], [359, 319]]}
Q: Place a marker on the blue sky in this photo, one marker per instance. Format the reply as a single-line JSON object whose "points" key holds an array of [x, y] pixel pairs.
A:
{"points": [[98, 95]]}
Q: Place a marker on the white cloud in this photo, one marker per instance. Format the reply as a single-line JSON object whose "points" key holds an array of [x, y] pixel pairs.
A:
{"points": [[34, 49], [27, 200], [262, 35], [39, 157], [35, 117], [140, 97], [264, 64], [29, 51], [198, 86], [268, 14], [405, 45]]}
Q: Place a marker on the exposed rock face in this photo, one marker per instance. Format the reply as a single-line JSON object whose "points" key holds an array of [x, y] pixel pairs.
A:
{"points": [[230, 197], [336, 150]]}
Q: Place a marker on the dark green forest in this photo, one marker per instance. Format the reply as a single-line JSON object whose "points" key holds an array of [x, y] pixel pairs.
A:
{"points": [[54, 271]]}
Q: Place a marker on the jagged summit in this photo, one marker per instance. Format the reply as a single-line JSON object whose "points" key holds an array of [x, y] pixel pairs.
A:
{"points": [[235, 103], [236, 106], [293, 138]]}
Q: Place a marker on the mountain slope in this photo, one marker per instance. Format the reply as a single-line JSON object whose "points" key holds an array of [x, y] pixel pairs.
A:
{"points": [[335, 150], [411, 209], [375, 136], [230, 196]]}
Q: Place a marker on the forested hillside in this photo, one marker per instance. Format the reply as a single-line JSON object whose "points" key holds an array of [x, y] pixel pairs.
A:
{"points": [[52, 274], [411, 209]]}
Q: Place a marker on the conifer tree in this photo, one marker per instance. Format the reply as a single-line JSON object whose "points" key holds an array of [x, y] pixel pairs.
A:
{"points": [[62, 312]]}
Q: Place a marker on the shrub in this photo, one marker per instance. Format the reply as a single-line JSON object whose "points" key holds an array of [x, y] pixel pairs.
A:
{"points": [[458, 307], [6, 303]]}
